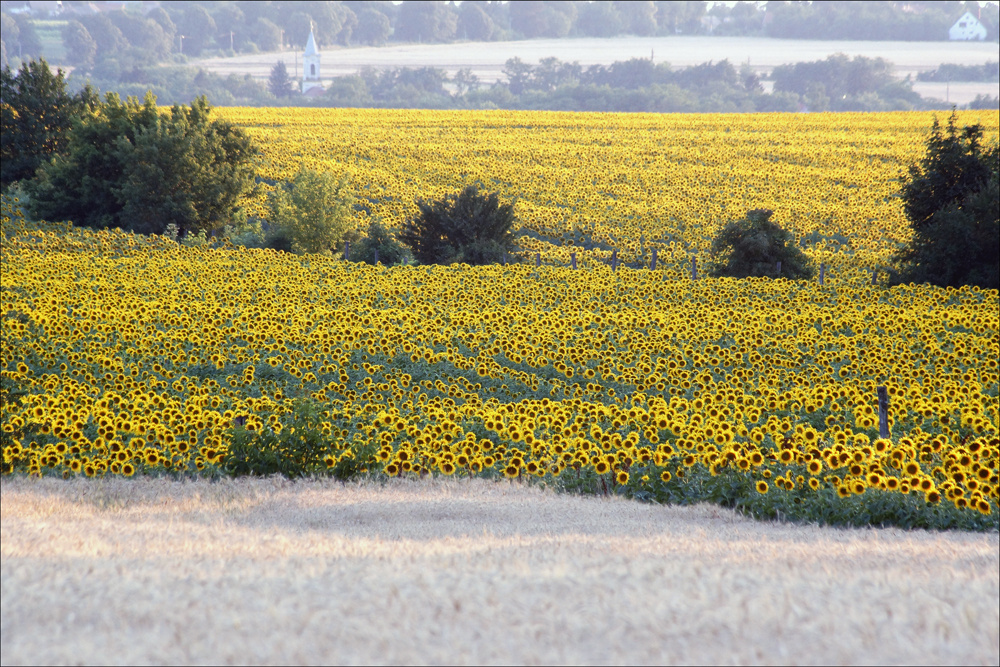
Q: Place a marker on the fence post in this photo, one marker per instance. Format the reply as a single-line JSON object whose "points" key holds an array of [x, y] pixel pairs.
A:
{"points": [[694, 269], [822, 273], [614, 259], [883, 412], [652, 262], [347, 251], [572, 258]]}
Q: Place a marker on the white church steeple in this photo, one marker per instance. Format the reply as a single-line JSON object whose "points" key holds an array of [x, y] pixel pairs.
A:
{"points": [[310, 65]]}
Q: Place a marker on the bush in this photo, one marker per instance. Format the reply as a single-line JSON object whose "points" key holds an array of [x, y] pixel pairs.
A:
{"points": [[953, 206], [127, 165], [379, 244], [468, 227], [298, 446], [312, 213], [754, 246]]}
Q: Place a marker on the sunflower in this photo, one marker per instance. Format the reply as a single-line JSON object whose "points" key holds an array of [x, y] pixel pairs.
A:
{"points": [[762, 487], [665, 476], [621, 478]]}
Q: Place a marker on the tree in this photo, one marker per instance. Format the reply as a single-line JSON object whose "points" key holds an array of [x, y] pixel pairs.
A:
{"points": [[474, 23], [599, 19], [754, 246], [127, 165], [373, 27], [80, 46], [280, 83], [424, 21], [313, 212], [37, 114], [197, 27], [953, 206], [266, 34], [470, 227]]}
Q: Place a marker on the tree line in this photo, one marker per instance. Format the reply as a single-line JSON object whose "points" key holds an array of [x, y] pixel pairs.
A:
{"points": [[125, 164], [837, 83]]}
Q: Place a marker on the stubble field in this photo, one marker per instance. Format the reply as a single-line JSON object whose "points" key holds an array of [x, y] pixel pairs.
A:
{"points": [[459, 572]]}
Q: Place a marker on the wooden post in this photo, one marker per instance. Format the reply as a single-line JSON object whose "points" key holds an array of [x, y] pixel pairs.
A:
{"points": [[874, 276], [538, 260], [822, 273], [347, 251], [614, 259], [883, 412], [572, 258], [694, 269], [652, 262], [779, 268]]}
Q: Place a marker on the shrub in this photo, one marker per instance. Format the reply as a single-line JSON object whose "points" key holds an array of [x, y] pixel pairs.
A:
{"points": [[312, 213], [127, 165], [754, 246], [470, 227], [953, 206], [380, 244]]}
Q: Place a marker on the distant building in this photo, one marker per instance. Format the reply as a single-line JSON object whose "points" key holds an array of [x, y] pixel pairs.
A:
{"points": [[311, 85], [967, 28]]}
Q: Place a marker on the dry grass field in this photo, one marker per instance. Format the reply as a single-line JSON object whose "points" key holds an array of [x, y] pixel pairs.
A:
{"points": [[486, 60], [444, 571]]}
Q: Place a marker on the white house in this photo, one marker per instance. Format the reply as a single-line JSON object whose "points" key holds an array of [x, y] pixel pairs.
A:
{"points": [[310, 68], [967, 28]]}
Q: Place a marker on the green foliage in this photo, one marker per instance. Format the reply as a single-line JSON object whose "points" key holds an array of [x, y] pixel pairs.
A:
{"points": [[379, 246], [754, 246], [37, 114], [953, 203], [301, 445], [313, 212], [470, 227], [127, 165]]}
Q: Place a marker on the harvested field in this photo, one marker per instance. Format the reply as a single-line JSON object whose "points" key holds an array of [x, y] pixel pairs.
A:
{"points": [[447, 571]]}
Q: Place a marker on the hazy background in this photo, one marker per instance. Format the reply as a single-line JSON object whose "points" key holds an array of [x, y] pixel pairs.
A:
{"points": [[671, 56]]}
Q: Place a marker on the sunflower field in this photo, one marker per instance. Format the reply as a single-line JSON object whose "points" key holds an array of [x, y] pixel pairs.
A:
{"points": [[126, 354]]}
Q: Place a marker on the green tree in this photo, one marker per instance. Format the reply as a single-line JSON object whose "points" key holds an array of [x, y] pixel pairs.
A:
{"points": [[127, 165], [953, 206], [754, 246], [470, 227], [280, 83], [37, 113], [313, 212]]}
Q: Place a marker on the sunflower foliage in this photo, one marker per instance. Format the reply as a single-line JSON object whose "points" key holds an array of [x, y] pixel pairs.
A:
{"points": [[470, 227], [379, 246], [754, 246], [298, 446]]}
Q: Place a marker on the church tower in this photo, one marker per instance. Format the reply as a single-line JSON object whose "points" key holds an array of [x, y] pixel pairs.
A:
{"points": [[310, 66]]}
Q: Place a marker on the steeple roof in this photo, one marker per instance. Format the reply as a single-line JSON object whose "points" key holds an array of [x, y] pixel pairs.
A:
{"points": [[310, 45]]}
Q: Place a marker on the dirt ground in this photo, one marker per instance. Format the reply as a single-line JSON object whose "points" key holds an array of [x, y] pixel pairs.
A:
{"points": [[486, 60], [451, 571]]}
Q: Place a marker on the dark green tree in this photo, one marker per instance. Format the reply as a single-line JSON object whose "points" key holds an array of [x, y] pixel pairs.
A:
{"points": [[127, 165], [37, 113], [470, 227], [280, 83], [953, 206], [754, 246]]}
